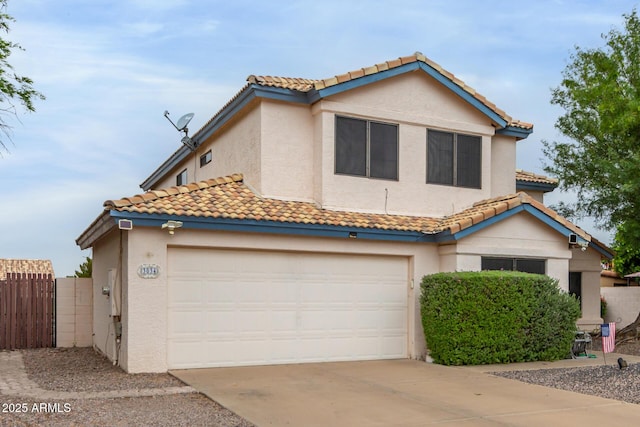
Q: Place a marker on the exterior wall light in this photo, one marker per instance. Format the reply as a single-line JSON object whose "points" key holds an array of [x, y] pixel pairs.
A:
{"points": [[171, 226]]}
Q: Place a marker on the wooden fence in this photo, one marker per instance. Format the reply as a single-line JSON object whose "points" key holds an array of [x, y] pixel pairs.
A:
{"points": [[27, 311]]}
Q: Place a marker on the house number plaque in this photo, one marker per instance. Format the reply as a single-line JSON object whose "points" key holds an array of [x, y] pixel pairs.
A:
{"points": [[149, 271]]}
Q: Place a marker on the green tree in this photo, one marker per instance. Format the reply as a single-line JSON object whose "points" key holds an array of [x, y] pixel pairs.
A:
{"points": [[600, 95], [13, 87], [627, 249], [85, 268]]}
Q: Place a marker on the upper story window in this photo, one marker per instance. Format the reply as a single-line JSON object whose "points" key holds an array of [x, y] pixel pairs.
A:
{"points": [[366, 148], [454, 159], [181, 178], [205, 158]]}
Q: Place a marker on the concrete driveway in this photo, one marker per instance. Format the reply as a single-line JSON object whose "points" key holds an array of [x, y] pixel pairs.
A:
{"points": [[397, 393]]}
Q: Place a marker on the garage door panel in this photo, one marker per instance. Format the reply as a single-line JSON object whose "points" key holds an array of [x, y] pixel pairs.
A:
{"points": [[233, 308], [186, 322]]}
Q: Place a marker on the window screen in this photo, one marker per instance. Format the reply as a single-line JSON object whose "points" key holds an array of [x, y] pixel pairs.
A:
{"points": [[525, 265], [497, 263], [365, 148], [454, 159], [528, 265], [440, 158], [468, 161], [351, 146], [383, 147]]}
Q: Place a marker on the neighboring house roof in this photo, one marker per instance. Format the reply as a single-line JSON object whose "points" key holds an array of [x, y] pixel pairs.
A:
{"points": [[25, 266], [309, 91], [611, 274], [529, 181], [227, 203]]}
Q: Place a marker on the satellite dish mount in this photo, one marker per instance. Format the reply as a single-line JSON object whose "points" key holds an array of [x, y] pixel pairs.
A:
{"points": [[181, 126]]}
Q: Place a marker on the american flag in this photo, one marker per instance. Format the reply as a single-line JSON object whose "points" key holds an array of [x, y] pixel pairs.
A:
{"points": [[609, 340]]}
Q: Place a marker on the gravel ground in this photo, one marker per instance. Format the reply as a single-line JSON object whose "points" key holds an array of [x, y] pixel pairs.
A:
{"points": [[83, 369], [604, 381]]}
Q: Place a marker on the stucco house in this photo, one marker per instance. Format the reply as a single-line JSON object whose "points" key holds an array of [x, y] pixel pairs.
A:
{"points": [[299, 227]]}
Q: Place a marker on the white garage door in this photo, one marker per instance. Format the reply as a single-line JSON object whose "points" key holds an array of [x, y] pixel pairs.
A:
{"points": [[232, 308]]}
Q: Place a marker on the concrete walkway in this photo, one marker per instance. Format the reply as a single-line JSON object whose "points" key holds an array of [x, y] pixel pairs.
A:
{"points": [[15, 382], [402, 393]]}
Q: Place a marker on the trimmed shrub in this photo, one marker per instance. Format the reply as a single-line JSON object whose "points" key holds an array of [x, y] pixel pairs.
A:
{"points": [[474, 318]]}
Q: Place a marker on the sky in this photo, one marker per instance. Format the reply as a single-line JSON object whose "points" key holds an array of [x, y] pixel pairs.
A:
{"points": [[109, 70]]}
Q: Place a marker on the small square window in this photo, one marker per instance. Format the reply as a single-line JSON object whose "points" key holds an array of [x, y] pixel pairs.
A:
{"points": [[181, 178], [205, 158]]}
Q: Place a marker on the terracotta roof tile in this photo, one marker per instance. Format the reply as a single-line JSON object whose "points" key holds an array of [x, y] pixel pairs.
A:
{"points": [[305, 85], [228, 197], [20, 266], [532, 177]]}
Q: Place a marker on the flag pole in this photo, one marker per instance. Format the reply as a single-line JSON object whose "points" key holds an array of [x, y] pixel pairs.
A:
{"points": [[608, 333]]}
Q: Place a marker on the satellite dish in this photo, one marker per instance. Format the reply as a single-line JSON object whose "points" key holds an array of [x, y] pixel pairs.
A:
{"points": [[184, 121], [181, 126]]}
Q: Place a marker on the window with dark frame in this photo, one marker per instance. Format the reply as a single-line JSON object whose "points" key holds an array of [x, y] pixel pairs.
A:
{"points": [[205, 158], [454, 159], [525, 265], [181, 178], [366, 148]]}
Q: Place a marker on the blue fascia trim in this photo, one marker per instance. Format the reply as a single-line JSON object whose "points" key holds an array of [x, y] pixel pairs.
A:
{"points": [[517, 132], [315, 96], [534, 186], [463, 94], [521, 208], [226, 224], [362, 81], [251, 92], [447, 237], [606, 254], [169, 164], [546, 219], [280, 94], [226, 114]]}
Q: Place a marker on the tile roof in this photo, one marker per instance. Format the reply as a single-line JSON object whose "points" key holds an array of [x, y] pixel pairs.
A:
{"points": [[229, 198], [34, 266], [532, 177], [305, 85]]}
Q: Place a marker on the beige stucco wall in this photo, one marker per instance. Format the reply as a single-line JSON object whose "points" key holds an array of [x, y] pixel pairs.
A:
{"points": [[286, 150], [503, 153], [524, 236], [105, 257], [521, 235], [144, 341], [623, 304], [144, 347], [74, 315], [588, 263], [234, 149], [416, 103]]}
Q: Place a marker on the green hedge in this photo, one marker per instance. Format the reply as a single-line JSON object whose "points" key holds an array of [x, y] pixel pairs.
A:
{"points": [[475, 318]]}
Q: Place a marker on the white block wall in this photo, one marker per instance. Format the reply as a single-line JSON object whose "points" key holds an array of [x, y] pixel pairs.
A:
{"points": [[623, 304], [74, 317]]}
